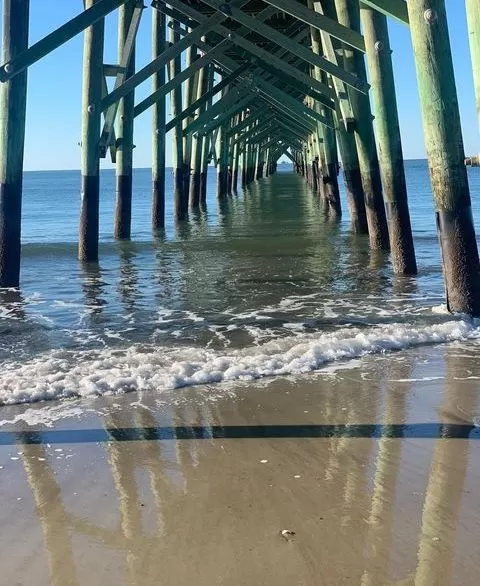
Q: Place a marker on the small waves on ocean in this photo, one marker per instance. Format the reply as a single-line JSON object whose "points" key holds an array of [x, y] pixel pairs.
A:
{"points": [[59, 374]]}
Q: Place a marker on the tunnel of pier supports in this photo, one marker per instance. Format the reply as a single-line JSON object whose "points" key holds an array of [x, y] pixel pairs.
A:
{"points": [[251, 81]]}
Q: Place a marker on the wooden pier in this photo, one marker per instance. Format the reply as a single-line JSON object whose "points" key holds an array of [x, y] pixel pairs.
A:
{"points": [[251, 81]]}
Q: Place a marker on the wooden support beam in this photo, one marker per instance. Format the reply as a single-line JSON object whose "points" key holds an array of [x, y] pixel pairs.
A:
{"points": [[126, 52], [171, 53], [158, 124], [207, 143], [91, 119], [329, 146], [180, 200], [128, 21], [253, 24], [197, 145], [236, 107], [185, 74], [261, 54], [389, 141], [211, 93], [92, 14], [443, 140], [279, 95], [395, 8], [343, 33], [13, 104], [219, 108], [346, 140], [348, 13]]}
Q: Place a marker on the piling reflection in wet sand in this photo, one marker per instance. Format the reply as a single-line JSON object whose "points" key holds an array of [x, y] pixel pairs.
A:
{"points": [[195, 510]]}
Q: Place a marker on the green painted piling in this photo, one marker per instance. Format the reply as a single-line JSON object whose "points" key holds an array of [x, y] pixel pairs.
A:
{"points": [[473, 21], [124, 165], [444, 143], [91, 119], [13, 100], [206, 142], [222, 167], [159, 122], [235, 157], [197, 145], [180, 202], [190, 95], [349, 155], [392, 169], [348, 14]]}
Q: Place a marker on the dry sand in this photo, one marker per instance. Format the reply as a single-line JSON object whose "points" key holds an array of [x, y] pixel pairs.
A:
{"points": [[176, 512]]}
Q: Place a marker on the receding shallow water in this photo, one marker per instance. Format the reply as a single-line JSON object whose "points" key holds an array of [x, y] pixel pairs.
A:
{"points": [[261, 284]]}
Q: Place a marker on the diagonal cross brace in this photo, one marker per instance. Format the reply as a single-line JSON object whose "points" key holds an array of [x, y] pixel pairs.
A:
{"points": [[320, 22], [135, 80], [256, 51], [395, 8], [207, 96], [126, 57], [178, 79], [59, 37], [253, 24]]}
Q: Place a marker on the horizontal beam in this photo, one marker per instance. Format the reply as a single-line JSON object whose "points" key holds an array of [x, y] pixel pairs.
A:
{"points": [[320, 22], [304, 53], [395, 8], [59, 37]]}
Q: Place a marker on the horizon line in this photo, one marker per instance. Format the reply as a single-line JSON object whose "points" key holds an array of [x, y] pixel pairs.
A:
{"points": [[145, 168]]}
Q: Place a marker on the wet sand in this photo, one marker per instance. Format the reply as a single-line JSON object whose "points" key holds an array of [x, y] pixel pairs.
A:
{"points": [[374, 467]]}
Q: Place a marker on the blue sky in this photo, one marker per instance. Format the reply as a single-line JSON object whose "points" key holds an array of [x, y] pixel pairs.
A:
{"points": [[54, 99]]}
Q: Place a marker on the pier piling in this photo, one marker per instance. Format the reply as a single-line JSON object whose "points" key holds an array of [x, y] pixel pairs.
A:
{"points": [[90, 146], [158, 122], [389, 141], [348, 13], [124, 165], [444, 143], [13, 103]]}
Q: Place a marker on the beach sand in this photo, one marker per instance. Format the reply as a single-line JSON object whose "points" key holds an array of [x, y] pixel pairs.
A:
{"points": [[372, 467]]}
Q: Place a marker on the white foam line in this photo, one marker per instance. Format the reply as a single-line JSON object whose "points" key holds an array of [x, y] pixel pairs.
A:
{"points": [[60, 374]]}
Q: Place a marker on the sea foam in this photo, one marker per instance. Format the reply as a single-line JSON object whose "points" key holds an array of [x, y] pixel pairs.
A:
{"points": [[61, 374]]}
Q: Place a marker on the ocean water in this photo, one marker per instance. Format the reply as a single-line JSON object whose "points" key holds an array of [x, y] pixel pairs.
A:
{"points": [[260, 284]]}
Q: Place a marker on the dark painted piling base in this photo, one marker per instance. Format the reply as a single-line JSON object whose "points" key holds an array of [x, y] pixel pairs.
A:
{"points": [[460, 260], [229, 181], [10, 233], [375, 208], [356, 200], [158, 205], [401, 240], [235, 181], [123, 208], [203, 187], [259, 174], [89, 219], [314, 178], [222, 183], [180, 202], [331, 191], [194, 195]]}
